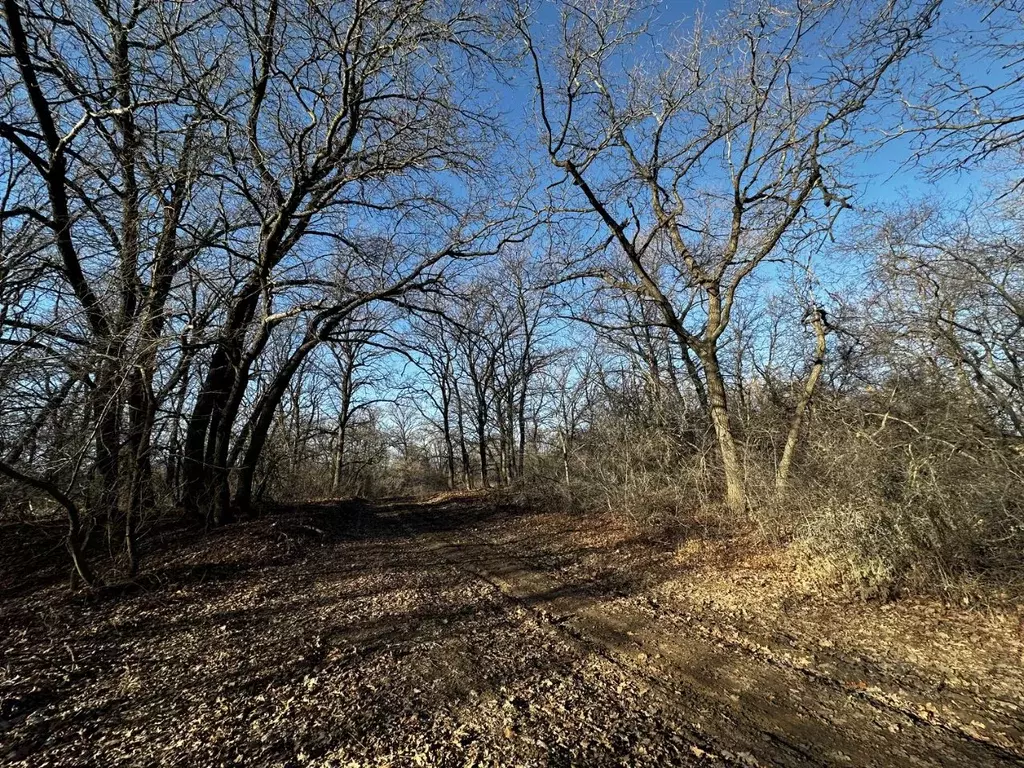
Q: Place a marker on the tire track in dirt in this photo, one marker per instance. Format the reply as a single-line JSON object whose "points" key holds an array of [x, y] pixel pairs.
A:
{"points": [[745, 707], [876, 698]]}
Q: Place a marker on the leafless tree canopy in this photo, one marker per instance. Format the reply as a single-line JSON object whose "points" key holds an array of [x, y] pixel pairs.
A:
{"points": [[288, 248]]}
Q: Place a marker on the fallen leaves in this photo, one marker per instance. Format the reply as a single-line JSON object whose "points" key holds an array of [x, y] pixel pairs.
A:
{"points": [[372, 650]]}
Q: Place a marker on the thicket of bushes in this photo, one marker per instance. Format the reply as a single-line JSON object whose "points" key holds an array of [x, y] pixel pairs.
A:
{"points": [[890, 494]]}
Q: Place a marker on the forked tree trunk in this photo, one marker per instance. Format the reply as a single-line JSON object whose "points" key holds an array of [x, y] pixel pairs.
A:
{"points": [[262, 419], [817, 319]]}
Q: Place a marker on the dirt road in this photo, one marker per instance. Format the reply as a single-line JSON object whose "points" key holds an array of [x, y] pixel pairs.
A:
{"points": [[461, 633]]}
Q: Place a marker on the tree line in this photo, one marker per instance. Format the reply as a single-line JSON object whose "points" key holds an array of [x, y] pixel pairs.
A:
{"points": [[254, 247]]}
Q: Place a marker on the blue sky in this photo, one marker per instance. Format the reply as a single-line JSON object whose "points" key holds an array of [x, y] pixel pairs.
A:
{"points": [[885, 175]]}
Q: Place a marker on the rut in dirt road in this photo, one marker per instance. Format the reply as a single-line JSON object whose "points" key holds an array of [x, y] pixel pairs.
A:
{"points": [[452, 634]]}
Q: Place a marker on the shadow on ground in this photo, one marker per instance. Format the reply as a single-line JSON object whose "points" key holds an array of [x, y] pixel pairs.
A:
{"points": [[328, 631], [406, 633]]}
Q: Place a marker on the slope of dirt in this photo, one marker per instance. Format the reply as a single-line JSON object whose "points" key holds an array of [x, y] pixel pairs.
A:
{"points": [[463, 633]]}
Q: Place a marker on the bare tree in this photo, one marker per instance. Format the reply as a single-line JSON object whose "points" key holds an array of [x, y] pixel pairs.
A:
{"points": [[718, 155], [815, 317], [349, 113], [108, 148], [953, 292]]}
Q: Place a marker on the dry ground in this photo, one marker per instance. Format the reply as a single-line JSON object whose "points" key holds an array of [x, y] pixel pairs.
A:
{"points": [[461, 632]]}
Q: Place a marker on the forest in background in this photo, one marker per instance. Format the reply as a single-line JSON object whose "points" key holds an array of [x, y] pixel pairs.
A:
{"points": [[603, 256]]}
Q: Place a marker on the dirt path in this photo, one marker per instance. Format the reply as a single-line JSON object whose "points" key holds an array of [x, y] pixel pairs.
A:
{"points": [[455, 633]]}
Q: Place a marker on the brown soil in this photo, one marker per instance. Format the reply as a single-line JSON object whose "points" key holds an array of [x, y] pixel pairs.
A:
{"points": [[460, 632]]}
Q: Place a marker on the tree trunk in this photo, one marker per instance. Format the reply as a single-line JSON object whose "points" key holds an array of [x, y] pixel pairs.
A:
{"points": [[202, 432], [718, 405], [817, 318], [141, 411], [467, 474], [481, 435], [339, 457], [263, 416], [565, 456], [446, 427], [107, 410]]}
